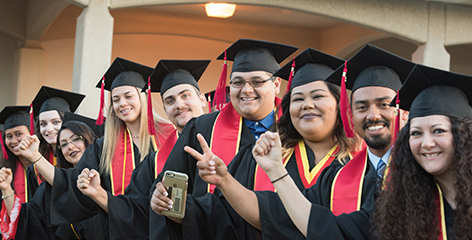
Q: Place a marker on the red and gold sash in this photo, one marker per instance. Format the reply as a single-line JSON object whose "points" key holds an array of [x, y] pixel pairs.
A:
{"points": [[123, 164], [52, 159], [163, 153], [346, 190], [442, 216], [20, 183], [309, 178], [226, 135]]}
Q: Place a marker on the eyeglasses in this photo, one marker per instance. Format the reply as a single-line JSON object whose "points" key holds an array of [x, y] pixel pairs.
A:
{"points": [[73, 141], [252, 83]]}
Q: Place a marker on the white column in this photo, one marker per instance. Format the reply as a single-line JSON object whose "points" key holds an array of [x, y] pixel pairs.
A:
{"points": [[28, 71], [92, 56], [433, 53]]}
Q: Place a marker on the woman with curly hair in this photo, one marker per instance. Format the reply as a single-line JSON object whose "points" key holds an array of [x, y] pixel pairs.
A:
{"points": [[427, 192]]}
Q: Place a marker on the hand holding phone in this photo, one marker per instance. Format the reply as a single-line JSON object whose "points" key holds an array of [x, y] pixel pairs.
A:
{"points": [[176, 185]]}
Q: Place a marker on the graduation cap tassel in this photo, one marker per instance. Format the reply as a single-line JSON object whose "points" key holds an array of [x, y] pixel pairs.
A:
{"points": [[102, 103], [220, 93], [4, 151], [31, 119], [150, 117], [290, 77], [346, 114], [397, 117]]}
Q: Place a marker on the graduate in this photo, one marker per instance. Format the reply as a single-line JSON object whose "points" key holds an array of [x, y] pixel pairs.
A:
{"points": [[251, 112], [48, 108], [16, 125], [33, 220], [127, 140], [313, 139], [429, 178], [128, 214]]}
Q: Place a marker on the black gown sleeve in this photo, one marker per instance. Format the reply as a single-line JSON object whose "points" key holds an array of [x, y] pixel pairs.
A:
{"points": [[68, 204], [128, 214]]}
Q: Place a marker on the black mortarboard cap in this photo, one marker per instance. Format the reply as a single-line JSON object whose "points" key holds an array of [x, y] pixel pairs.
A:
{"points": [[49, 99], [255, 55], [310, 65], [14, 116], [97, 129], [123, 72], [170, 73], [373, 66], [430, 91]]}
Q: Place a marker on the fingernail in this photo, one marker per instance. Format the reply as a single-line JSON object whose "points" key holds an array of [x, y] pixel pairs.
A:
{"points": [[170, 203], [170, 207], [165, 194], [212, 162], [90, 175], [213, 172]]}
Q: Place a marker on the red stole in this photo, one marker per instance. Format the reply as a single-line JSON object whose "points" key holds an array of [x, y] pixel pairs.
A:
{"points": [[442, 216], [346, 190], [123, 164], [163, 153], [226, 135], [20, 183], [51, 158], [309, 178]]}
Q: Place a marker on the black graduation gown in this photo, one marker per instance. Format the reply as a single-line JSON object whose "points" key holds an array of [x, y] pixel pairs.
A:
{"points": [[68, 203], [128, 215], [34, 221], [211, 216], [276, 223], [181, 161]]}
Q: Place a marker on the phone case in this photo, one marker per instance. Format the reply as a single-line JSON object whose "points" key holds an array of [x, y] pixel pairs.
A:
{"points": [[176, 185]]}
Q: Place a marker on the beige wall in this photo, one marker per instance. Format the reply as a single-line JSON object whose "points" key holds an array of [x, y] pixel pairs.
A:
{"points": [[7, 80]]}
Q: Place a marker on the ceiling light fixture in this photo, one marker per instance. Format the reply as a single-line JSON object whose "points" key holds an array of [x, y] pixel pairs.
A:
{"points": [[220, 10]]}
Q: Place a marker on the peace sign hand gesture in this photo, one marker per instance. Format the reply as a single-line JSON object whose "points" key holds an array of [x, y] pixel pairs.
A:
{"points": [[210, 167]]}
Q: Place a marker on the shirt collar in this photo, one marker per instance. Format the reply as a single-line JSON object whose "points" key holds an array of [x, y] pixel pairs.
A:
{"points": [[375, 160], [265, 122]]}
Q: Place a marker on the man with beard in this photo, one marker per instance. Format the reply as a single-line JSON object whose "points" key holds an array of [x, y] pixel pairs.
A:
{"points": [[128, 216]]}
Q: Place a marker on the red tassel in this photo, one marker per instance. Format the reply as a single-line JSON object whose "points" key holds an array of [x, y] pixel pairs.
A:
{"points": [[219, 100], [31, 120], [290, 77], [4, 151], [397, 117], [151, 126], [102, 103], [346, 114]]}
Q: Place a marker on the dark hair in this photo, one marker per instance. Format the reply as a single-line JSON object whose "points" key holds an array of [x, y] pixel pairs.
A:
{"points": [[44, 147], [290, 136], [78, 128], [406, 209], [12, 160]]}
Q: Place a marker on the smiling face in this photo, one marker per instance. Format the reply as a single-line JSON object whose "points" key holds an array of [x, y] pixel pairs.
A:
{"points": [[13, 137], [313, 111], [49, 124], [182, 103], [372, 115], [431, 143], [126, 104], [254, 103], [72, 146]]}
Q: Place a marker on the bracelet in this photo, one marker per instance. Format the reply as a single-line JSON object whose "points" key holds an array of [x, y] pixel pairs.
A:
{"points": [[7, 196], [37, 159], [279, 178]]}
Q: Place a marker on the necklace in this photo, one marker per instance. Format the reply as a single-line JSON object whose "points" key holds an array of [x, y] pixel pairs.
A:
{"points": [[135, 136]]}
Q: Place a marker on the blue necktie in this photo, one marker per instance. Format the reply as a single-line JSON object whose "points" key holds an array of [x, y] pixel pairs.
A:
{"points": [[380, 170]]}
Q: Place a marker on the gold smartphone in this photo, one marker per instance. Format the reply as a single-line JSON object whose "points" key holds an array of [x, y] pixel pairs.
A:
{"points": [[176, 185]]}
